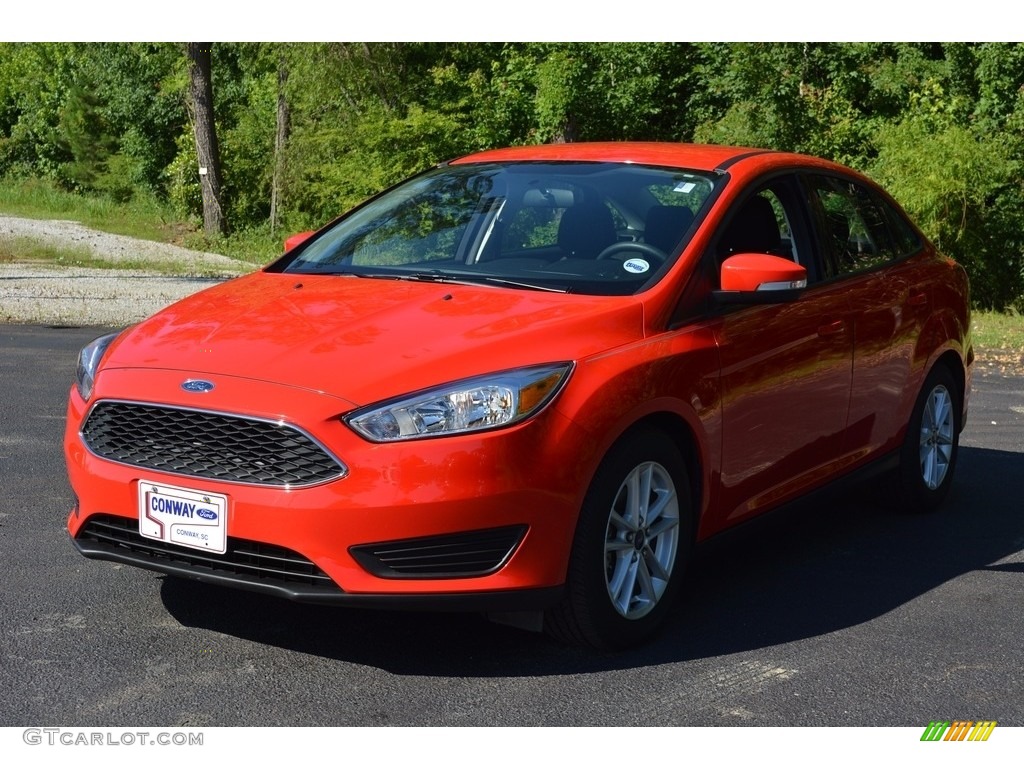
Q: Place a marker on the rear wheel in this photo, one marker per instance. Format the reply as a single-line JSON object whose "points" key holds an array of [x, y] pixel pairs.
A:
{"points": [[929, 453], [632, 544]]}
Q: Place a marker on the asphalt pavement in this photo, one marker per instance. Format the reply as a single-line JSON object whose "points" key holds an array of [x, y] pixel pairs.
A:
{"points": [[835, 613]]}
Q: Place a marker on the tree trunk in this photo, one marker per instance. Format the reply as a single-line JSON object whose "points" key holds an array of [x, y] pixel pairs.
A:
{"points": [[201, 108], [280, 143], [568, 134]]}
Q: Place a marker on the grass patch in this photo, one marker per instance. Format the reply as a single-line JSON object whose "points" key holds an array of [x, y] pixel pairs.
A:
{"points": [[29, 250], [252, 246], [999, 340], [998, 330], [143, 217]]}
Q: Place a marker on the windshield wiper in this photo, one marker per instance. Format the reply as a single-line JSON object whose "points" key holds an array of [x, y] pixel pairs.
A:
{"points": [[528, 286], [471, 279], [459, 279]]}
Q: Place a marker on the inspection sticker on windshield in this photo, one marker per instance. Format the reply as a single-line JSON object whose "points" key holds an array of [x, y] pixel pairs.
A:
{"points": [[636, 266], [181, 516]]}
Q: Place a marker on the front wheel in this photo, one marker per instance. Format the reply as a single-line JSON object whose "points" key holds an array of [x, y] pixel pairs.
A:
{"points": [[632, 543], [929, 453]]}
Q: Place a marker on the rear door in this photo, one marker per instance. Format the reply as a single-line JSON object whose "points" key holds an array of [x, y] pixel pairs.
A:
{"points": [[868, 249]]}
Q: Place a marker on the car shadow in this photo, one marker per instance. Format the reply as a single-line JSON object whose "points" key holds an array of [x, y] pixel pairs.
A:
{"points": [[812, 569]]}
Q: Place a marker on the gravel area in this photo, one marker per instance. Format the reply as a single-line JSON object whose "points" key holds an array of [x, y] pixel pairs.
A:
{"points": [[48, 294]]}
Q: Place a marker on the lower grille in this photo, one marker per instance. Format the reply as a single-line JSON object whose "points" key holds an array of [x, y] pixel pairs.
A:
{"points": [[457, 555], [245, 561]]}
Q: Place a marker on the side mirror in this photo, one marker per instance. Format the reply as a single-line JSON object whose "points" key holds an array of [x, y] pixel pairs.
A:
{"points": [[758, 278], [297, 239]]}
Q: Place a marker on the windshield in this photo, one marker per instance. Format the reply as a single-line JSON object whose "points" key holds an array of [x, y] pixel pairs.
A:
{"points": [[597, 228]]}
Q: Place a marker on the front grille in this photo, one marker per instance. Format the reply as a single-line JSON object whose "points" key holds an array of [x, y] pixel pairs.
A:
{"points": [[250, 562], [215, 446], [457, 555]]}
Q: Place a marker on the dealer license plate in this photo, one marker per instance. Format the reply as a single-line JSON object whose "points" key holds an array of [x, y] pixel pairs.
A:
{"points": [[182, 516]]}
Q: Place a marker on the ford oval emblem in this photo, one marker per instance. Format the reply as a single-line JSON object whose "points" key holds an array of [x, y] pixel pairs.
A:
{"points": [[196, 385], [206, 514]]}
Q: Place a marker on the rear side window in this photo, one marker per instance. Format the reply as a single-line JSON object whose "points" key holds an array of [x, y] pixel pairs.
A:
{"points": [[858, 229]]}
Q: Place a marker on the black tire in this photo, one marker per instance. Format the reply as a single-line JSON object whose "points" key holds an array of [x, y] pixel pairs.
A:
{"points": [[928, 456], [625, 569]]}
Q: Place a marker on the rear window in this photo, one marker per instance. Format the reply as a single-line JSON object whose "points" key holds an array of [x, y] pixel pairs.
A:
{"points": [[859, 229]]}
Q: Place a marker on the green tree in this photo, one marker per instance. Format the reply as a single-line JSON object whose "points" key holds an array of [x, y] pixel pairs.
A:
{"points": [[940, 124], [35, 80], [85, 137]]}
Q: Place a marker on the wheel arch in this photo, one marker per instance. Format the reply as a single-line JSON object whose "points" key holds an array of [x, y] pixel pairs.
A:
{"points": [[945, 340], [591, 611], [951, 360], [681, 433]]}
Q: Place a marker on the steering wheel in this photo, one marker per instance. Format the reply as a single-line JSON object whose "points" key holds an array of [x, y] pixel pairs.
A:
{"points": [[630, 245]]}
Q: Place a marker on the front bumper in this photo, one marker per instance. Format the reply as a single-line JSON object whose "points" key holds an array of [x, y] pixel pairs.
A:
{"points": [[518, 488], [107, 537]]}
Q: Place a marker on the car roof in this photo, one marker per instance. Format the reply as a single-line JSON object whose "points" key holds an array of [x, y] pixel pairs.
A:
{"points": [[701, 157]]}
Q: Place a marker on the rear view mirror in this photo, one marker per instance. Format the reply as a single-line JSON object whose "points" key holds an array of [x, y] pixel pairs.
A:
{"points": [[759, 278]]}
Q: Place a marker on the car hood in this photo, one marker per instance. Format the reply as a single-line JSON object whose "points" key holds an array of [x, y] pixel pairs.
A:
{"points": [[365, 340]]}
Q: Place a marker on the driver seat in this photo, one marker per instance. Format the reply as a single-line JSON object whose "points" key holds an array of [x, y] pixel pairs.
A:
{"points": [[754, 229], [666, 225], [586, 230]]}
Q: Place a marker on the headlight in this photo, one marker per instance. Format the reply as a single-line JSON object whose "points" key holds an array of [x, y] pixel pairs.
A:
{"points": [[471, 405], [88, 361]]}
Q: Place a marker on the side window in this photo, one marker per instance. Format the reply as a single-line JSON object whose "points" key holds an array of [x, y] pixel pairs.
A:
{"points": [[858, 229], [907, 240], [786, 245], [761, 224]]}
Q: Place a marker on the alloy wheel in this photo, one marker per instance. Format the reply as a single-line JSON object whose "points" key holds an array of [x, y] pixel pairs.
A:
{"points": [[641, 540], [936, 446]]}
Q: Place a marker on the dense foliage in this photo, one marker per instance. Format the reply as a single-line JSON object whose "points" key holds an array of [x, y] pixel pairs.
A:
{"points": [[940, 125]]}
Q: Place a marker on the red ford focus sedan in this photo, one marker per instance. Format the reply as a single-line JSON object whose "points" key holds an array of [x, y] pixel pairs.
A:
{"points": [[527, 382]]}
